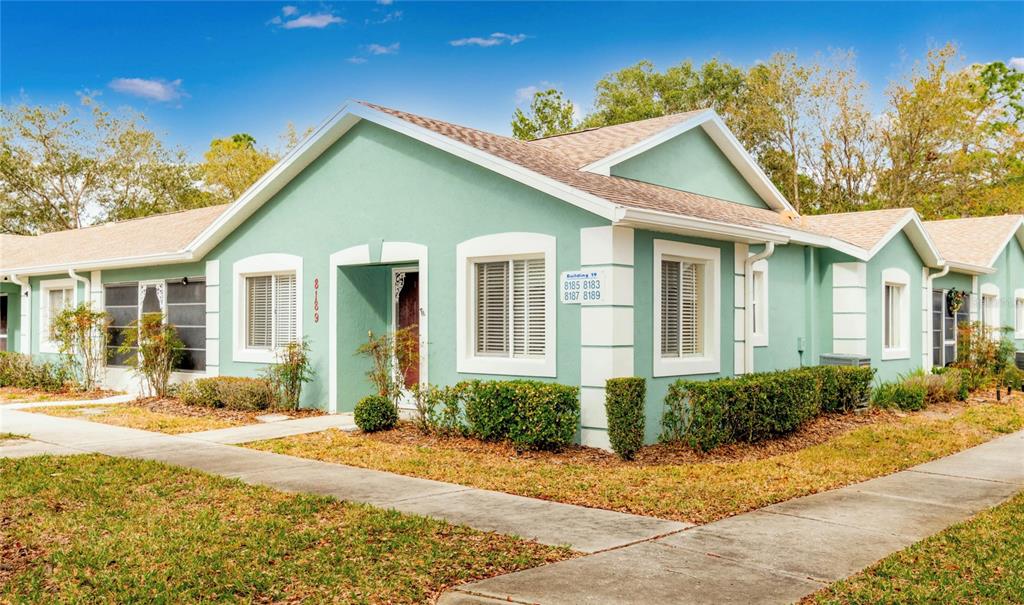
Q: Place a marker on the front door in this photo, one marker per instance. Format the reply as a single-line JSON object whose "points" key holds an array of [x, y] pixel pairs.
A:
{"points": [[3, 323], [406, 313], [945, 326]]}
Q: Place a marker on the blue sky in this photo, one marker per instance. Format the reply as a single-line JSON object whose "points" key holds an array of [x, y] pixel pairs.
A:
{"points": [[203, 70]]}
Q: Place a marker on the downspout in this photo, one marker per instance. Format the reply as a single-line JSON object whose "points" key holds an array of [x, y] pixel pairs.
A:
{"points": [[83, 280], [931, 278], [748, 301]]}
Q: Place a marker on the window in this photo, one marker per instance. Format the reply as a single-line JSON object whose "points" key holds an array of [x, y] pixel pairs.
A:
{"points": [[510, 308], [182, 304], [506, 312], [687, 284], [270, 311], [267, 299], [1018, 314], [55, 296], [759, 303], [895, 314]]}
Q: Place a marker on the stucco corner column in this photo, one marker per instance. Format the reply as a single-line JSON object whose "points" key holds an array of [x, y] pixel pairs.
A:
{"points": [[606, 328]]}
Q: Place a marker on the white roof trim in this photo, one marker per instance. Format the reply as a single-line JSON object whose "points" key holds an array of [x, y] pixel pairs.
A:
{"points": [[727, 143], [689, 225], [798, 236], [969, 268], [922, 242]]}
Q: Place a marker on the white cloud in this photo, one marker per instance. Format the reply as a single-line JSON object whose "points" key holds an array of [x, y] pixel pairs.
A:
{"points": [[380, 49], [385, 2], [152, 89], [495, 39], [387, 18], [288, 11], [525, 94], [356, 60], [291, 19], [1016, 63]]}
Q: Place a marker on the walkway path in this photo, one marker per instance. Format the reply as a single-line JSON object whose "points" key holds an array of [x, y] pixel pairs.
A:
{"points": [[276, 430], [583, 529], [774, 555]]}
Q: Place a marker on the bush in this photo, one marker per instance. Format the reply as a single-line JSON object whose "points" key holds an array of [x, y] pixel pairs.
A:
{"points": [[906, 395], [1013, 377], [530, 414], [291, 370], [748, 408], [624, 405], [229, 392], [82, 336], [439, 410], [938, 388], [152, 347], [843, 388], [376, 413], [20, 371]]}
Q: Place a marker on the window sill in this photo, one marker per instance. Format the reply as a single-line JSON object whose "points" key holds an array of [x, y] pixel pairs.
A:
{"points": [[890, 354], [508, 366], [253, 355], [686, 367]]}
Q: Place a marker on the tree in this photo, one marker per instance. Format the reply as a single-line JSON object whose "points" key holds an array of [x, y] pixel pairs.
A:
{"points": [[231, 165], [60, 169], [549, 114]]}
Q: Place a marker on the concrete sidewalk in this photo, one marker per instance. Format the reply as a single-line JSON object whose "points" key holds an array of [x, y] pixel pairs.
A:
{"points": [[22, 405], [276, 430], [583, 529], [780, 553]]}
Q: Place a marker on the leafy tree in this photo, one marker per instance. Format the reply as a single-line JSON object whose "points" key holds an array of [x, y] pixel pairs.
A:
{"points": [[231, 165], [60, 169], [549, 114], [82, 336]]}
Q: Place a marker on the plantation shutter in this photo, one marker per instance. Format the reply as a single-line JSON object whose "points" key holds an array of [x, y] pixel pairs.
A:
{"points": [[528, 308], [893, 329], [670, 310], [284, 310], [691, 309], [492, 308], [259, 311]]}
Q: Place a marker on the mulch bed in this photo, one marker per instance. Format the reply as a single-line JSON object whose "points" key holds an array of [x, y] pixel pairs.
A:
{"points": [[819, 430], [174, 407]]}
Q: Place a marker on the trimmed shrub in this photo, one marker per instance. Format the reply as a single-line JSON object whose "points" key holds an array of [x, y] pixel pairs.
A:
{"points": [[1013, 377], [624, 405], [229, 392], [376, 413], [938, 388], [20, 371], [439, 410], [843, 388], [906, 395], [530, 414]]}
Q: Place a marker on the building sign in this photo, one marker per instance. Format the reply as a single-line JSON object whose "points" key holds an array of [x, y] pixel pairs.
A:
{"points": [[588, 287]]}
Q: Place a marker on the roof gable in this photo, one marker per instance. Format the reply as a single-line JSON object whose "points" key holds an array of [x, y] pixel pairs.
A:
{"points": [[872, 230], [974, 244]]}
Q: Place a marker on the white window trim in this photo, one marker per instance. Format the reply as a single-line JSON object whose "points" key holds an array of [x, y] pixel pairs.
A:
{"points": [[897, 277], [760, 337], [711, 361], [45, 344], [1018, 326], [501, 246], [990, 291], [260, 264]]}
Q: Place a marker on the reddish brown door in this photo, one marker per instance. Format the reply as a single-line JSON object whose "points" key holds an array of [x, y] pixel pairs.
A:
{"points": [[408, 316]]}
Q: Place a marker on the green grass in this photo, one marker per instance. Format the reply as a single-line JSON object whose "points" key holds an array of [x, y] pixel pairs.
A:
{"points": [[137, 417], [977, 561], [94, 529], [696, 492], [4, 436]]}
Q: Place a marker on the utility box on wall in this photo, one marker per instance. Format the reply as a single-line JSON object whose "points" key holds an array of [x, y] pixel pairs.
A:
{"points": [[843, 359]]}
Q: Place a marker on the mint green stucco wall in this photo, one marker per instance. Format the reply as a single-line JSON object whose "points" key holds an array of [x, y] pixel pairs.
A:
{"points": [[643, 328], [375, 184], [13, 294], [821, 278], [960, 281], [789, 312], [162, 273], [898, 253], [1008, 277], [691, 162]]}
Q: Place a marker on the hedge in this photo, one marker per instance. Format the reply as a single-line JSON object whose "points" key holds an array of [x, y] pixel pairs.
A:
{"points": [[21, 371], [759, 406], [530, 414], [230, 392], [375, 413], [624, 405]]}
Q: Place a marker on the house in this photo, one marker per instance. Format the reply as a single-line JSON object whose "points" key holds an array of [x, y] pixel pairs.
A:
{"points": [[656, 248]]}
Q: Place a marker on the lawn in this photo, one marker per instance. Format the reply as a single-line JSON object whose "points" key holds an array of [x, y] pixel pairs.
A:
{"points": [[93, 529], [16, 395], [693, 488], [138, 417], [977, 561]]}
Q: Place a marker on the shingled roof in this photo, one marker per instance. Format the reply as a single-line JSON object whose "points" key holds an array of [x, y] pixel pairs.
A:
{"points": [[973, 241], [587, 146]]}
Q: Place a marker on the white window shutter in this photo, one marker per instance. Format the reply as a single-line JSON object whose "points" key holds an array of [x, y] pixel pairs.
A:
{"points": [[285, 330], [529, 324], [259, 311], [670, 308], [691, 302], [492, 308]]}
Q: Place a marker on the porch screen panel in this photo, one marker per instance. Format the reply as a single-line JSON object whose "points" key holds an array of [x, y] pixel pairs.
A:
{"points": [[259, 323], [492, 308], [528, 308], [186, 311], [121, 302], [284, 310]]}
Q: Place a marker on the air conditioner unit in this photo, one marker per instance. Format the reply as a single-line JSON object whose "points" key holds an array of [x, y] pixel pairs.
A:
{"points": [[844, 359]]}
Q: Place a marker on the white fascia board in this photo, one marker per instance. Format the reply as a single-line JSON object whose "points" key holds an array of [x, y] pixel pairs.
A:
{"points": [[113, 263], [919, 238], [688, 225], [796, 236], [723, 138], [969, 269]]}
